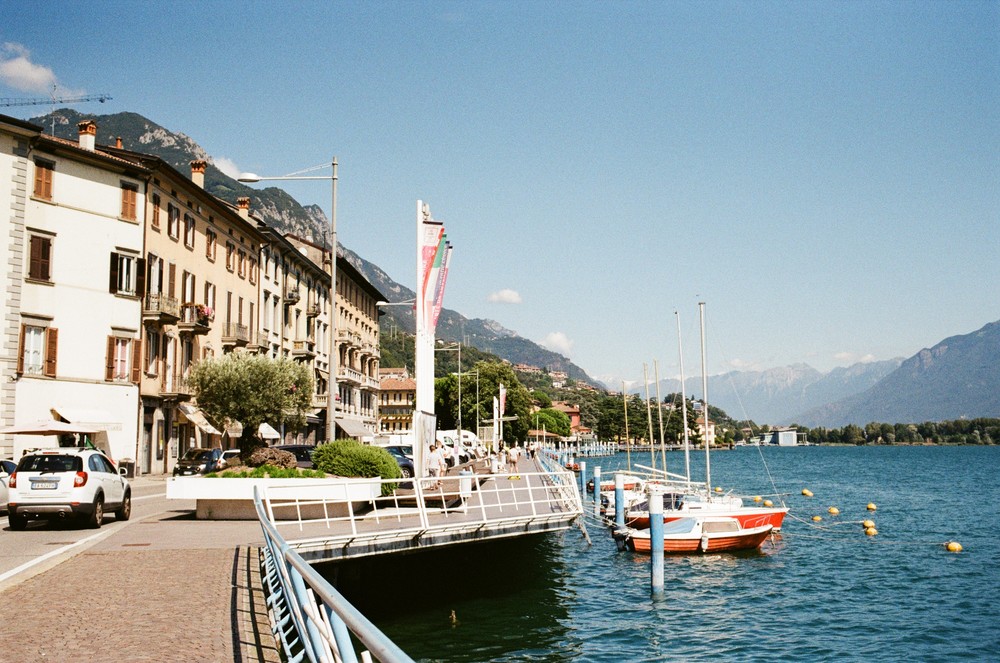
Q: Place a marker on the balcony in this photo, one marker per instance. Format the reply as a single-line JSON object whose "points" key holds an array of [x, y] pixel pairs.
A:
{"points": [[312, 310], [175, 387], [292, 295], [235, 335], [304, 349], [345, 375], [260, 343], [195, 319], [160, 309]]}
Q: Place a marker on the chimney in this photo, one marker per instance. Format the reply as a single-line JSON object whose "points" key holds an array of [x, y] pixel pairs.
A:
{"points": [[118, 142], [198, 174], [88, 134], [243, 203]]}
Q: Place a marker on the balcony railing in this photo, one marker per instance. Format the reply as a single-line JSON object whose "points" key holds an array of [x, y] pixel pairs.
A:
{"points": [[236, 334], [292, 295], [161, 309], [176, 386], [195, 319], [303, 349]]}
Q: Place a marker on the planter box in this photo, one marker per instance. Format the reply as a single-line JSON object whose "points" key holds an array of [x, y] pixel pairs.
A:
{"points": [[232, 499]]}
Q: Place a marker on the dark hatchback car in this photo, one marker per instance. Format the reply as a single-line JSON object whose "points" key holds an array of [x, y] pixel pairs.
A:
{"points": [[198, 461], [403, 459], [303, 454]]}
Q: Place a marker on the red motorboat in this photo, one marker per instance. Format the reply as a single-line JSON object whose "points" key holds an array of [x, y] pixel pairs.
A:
{"points": [[707, 534]]}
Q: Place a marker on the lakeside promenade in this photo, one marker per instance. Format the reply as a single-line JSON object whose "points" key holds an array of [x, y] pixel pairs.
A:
{"points": [[164, 587]]}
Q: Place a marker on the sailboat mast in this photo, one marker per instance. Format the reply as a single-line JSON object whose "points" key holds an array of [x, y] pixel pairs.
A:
{"points": [[649, 418], [628, 441], [659, 412], [704, 392], [684, 409]]}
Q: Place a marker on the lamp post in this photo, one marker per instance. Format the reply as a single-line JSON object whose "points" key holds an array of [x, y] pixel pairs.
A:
{"points": [[457, 346], [332, 392]]}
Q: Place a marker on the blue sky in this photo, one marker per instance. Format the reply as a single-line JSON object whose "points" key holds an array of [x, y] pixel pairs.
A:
{"points": [[826, 176]]}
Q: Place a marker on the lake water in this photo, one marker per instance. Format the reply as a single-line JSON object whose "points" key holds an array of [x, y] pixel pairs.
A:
{"points": [[824, 591]]}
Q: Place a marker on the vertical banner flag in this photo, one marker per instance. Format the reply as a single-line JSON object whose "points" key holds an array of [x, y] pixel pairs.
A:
{"points": [[439, 287], [496, 423], [503, 399]]}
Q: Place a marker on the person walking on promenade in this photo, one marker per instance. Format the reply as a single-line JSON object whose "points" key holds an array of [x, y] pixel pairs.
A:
{"points": [[435, 464], [515, 452]]}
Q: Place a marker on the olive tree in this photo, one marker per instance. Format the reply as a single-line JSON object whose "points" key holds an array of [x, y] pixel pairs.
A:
{"points": [[252, 389]]}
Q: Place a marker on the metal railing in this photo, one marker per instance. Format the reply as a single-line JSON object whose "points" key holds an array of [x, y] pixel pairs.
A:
{"points": [[310, 619]]}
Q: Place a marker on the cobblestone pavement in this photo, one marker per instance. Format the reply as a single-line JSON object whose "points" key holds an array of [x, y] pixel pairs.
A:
{"points": [[155, 591]]}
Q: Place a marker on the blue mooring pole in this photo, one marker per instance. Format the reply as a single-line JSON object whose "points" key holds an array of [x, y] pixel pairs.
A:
{"points": [[656, 539], [583, 479], [619, 501]]}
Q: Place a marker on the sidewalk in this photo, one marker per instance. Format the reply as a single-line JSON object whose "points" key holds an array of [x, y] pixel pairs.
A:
{"points": [[165, 588]]}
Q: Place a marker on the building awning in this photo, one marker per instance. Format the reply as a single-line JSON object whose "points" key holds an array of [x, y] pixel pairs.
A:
{"points": [[197, 417], [353, 427], [99, 419], [267, 432]]}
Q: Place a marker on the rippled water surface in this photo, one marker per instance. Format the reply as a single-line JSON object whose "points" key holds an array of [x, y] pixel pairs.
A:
{"points": [[822, 592]]}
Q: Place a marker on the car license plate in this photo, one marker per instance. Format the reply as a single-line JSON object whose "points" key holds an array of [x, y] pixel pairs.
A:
{"points": [[44, 485]]}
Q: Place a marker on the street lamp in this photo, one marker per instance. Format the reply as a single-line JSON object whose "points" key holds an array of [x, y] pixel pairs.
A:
{"points": [[332, 392]]}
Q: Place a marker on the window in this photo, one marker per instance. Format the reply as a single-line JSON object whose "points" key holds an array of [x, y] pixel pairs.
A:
{"points": [[38, 351], [253, 270], [152, 351], [265, 322], [40, 258], [130, 193], [156, 211], [211, 244], [122, 360], [43, 179], [154, 276], [128, 274], [173, 221], [187, 288], [230, 255], [242, 263], [189, 231], [267, 264], [210, 296]]}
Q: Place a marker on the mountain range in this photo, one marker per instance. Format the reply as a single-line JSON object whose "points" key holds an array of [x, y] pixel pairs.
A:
{"points": [[959, 377]]}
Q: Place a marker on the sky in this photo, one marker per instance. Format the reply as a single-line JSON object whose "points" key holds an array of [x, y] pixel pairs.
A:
{"points": [[825, 176]]}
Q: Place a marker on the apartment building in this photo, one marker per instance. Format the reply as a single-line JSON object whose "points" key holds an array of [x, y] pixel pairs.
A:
{"points": [[72, 223], [397, 398]]}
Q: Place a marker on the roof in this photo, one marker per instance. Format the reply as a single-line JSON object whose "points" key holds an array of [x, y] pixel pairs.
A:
{"points": [[397, 384]]}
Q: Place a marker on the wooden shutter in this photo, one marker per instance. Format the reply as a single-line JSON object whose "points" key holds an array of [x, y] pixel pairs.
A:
{"points": [[20, 353], [39, 259], [109, 360], [140, 277], [51, 351], [171, 279], [43, 179], [136, 360], [113, 283]]}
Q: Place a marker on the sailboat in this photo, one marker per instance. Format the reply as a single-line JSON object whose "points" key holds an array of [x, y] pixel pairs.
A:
{"points": [[684, 502]]}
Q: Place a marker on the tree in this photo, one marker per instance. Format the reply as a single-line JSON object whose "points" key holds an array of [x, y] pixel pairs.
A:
{"points": [[252, 389], [552, 421], [491, 376]]}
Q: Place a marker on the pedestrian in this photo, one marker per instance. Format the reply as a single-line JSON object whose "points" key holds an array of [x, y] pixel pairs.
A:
{"points": [[515, 452], [435, 464]]}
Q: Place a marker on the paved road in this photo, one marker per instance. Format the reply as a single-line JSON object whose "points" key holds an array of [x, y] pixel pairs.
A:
{"points": [[160, 587]]}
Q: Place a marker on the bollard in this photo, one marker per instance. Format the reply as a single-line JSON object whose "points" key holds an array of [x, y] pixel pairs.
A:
{"points": [[597, 491], [583, 479], [619, 501], [656, 539]]}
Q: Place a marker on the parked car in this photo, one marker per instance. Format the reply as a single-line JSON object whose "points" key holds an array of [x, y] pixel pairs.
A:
{"points": [[228, 455], [67, 482], [6, 469], [404, 460], [303, 454], [198, 461]]}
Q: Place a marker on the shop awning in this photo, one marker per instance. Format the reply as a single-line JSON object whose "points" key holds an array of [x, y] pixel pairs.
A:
{"points": [[353, 427], [99, 419], [197, 417], [267, 432]]}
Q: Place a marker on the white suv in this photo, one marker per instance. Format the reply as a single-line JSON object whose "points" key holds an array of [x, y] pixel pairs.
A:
{"points": [[56, 483]]}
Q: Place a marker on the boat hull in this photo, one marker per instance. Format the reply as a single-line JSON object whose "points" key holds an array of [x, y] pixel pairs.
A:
{"points": [[749, 539], [747, 517]]}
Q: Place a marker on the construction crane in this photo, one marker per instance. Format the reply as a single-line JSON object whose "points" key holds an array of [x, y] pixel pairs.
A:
{"points": [[53, 100]]}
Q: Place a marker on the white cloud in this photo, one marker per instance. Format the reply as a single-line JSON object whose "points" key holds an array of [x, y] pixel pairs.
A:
{"points": [[228, 167], [19, 72], [505, 296], [850, 358], [558, 342]]}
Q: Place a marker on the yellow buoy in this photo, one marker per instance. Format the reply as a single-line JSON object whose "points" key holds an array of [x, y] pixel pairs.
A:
{"points": [[768, 503], [718, 489], [868, 523], [834, 511], [871, 506], [756, 498], [954, 546], [871, 531], [817, 518], [807, 492]]}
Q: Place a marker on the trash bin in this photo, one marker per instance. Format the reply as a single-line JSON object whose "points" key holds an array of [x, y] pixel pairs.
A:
{"points": [[465, 484], [128, 464]]}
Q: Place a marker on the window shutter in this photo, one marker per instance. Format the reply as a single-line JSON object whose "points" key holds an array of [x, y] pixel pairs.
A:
{"points": [[113, 283], [51, 349], [109, 369], [136, 360], [20, 353], [140, 277], [171, 279]]}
